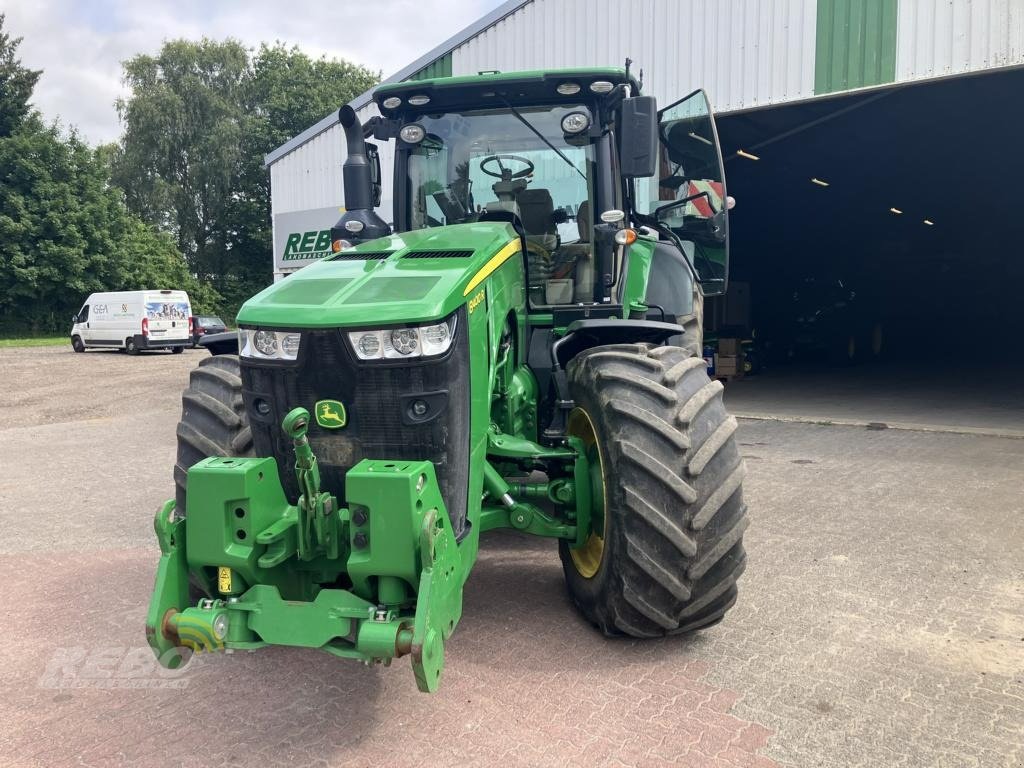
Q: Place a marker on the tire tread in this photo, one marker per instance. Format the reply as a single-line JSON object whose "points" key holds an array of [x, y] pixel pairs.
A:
{"points": [[674, 549]]}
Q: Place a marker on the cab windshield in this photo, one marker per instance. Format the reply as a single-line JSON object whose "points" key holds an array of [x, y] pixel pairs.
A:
{"points": [[513, 165]]}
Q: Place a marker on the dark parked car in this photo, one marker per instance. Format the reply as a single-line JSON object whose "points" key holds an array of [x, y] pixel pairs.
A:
{"points": [[205, 324]]}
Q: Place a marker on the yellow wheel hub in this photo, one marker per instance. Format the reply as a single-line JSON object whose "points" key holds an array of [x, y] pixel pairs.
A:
{"points": [[588, 557]]}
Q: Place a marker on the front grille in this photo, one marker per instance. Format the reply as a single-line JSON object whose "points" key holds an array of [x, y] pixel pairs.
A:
{"points": [[372, 393]]}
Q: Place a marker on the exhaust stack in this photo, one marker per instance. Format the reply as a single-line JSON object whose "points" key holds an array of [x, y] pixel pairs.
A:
{"points": [[360, 221]]}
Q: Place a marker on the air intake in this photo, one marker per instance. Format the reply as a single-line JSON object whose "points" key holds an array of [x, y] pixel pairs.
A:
{"points": [[361, 255], [438, 255]]}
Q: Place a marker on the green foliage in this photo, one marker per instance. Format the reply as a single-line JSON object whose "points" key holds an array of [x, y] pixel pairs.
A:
{"points": [[16, 84], [187, 179], [199, 119], [64, 230]]}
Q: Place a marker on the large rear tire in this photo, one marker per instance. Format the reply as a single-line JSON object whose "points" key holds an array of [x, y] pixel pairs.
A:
{"points": [[671, 547], [213, 418]]}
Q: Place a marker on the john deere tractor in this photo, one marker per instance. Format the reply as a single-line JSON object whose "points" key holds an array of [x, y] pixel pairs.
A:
{"points": [[519, 349]]}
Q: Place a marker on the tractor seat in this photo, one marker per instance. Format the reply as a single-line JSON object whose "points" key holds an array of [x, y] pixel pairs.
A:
{"points": [[537, 212], [577, 259]]}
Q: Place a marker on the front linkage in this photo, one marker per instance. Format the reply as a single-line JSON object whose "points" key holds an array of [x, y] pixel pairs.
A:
{"points": [[391, 552], [389, 559]]}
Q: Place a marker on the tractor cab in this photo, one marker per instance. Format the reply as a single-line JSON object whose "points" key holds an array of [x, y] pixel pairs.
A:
{"points": [[568, 158]]}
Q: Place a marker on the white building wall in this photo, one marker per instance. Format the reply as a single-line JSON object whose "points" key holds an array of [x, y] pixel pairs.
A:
{"points": [[745, 53], [309, 177], [951, 37]]}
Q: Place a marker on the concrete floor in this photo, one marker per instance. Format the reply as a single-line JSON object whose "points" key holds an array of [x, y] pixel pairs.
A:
{"points": [[880, 621], [959, 398]]}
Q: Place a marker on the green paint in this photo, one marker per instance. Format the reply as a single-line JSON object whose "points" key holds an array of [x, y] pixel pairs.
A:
{"points": [[309, 292], [334, 293], [638, 271], [856, 44], [441, 67]]}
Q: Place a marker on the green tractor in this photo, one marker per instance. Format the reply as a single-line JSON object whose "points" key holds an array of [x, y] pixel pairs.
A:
{"points": [[520, 349]]}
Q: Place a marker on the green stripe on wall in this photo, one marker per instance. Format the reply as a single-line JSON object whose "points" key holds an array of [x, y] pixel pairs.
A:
{"points": [[438, 68], [856, 44]]}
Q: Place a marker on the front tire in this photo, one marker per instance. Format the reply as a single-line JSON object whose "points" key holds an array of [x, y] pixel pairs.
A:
{"points": [[77, 344], [213, 419], [674, 517]]}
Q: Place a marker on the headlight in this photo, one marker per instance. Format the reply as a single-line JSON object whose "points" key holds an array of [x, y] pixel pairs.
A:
{"points": [[268, 345], [575, 122], [403, 343], [413, 133]]}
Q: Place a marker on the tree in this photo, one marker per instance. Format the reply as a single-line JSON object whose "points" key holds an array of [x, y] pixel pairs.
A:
{"points": [[198, 121], [181, 147], [16, 84], [64, 230]]}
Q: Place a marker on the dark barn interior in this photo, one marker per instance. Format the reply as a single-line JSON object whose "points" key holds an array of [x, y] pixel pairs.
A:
{"points": [[878, 233]]}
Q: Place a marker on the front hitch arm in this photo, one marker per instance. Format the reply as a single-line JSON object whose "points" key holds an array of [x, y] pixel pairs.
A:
{"points": [[317, 530]]}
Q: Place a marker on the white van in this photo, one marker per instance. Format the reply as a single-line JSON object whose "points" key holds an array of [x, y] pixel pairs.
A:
{"points": [[133, 321]]}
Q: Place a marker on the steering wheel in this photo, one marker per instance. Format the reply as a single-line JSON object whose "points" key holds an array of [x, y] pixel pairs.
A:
{"points": [[504, 173]]}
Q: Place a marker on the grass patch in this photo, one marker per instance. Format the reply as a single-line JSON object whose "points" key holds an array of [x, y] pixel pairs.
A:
{"points": [[35, 341]]}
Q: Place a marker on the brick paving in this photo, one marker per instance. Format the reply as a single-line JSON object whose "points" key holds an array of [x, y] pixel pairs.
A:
{"points": [[880, 620]]}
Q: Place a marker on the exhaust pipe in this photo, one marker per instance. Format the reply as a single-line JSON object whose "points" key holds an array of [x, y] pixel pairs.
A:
{"points": [[360, 221]]}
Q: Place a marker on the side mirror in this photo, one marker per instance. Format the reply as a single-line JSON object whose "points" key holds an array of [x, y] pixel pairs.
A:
{"points": [[638, 137], [373, 156]]}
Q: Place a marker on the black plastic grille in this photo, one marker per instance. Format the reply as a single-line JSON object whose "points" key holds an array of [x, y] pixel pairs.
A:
{"points": [[372, 393], [361, 255], [438, 255]]}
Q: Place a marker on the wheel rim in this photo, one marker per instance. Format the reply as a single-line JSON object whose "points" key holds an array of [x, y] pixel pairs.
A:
{"points": [[588, 557]]}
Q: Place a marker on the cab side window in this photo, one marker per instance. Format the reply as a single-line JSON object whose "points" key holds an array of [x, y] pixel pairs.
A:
{"points": [[83, 315]]}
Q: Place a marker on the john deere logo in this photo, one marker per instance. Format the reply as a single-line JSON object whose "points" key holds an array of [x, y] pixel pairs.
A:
{"points": [[330, 414]]}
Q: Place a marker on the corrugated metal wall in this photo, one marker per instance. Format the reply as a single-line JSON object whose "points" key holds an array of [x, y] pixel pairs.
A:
{"points": [[856, 44], [943, 37], [745, 53], [310, 176]]}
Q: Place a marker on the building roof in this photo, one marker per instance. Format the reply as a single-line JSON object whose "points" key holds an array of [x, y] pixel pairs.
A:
{"points": [[505, 9]]}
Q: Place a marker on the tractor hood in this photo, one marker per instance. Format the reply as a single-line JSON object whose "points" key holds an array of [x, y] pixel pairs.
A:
{"points": [[410, 277]]}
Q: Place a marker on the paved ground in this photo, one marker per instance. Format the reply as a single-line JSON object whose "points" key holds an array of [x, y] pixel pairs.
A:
{"points": [[979, 395], [880, 621]]}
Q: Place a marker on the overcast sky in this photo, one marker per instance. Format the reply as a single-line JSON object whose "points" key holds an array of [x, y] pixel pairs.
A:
{"points": [[80, 44]]}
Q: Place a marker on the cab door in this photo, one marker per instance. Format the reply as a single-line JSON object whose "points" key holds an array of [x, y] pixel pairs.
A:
{"points": [[691, 193]]}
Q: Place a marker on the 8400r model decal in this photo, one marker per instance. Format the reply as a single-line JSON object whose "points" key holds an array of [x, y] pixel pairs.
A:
{"points": [[330, 414]]}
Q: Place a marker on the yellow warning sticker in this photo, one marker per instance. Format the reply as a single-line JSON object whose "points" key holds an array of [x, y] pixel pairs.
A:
{"points": [[223, 580]]}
